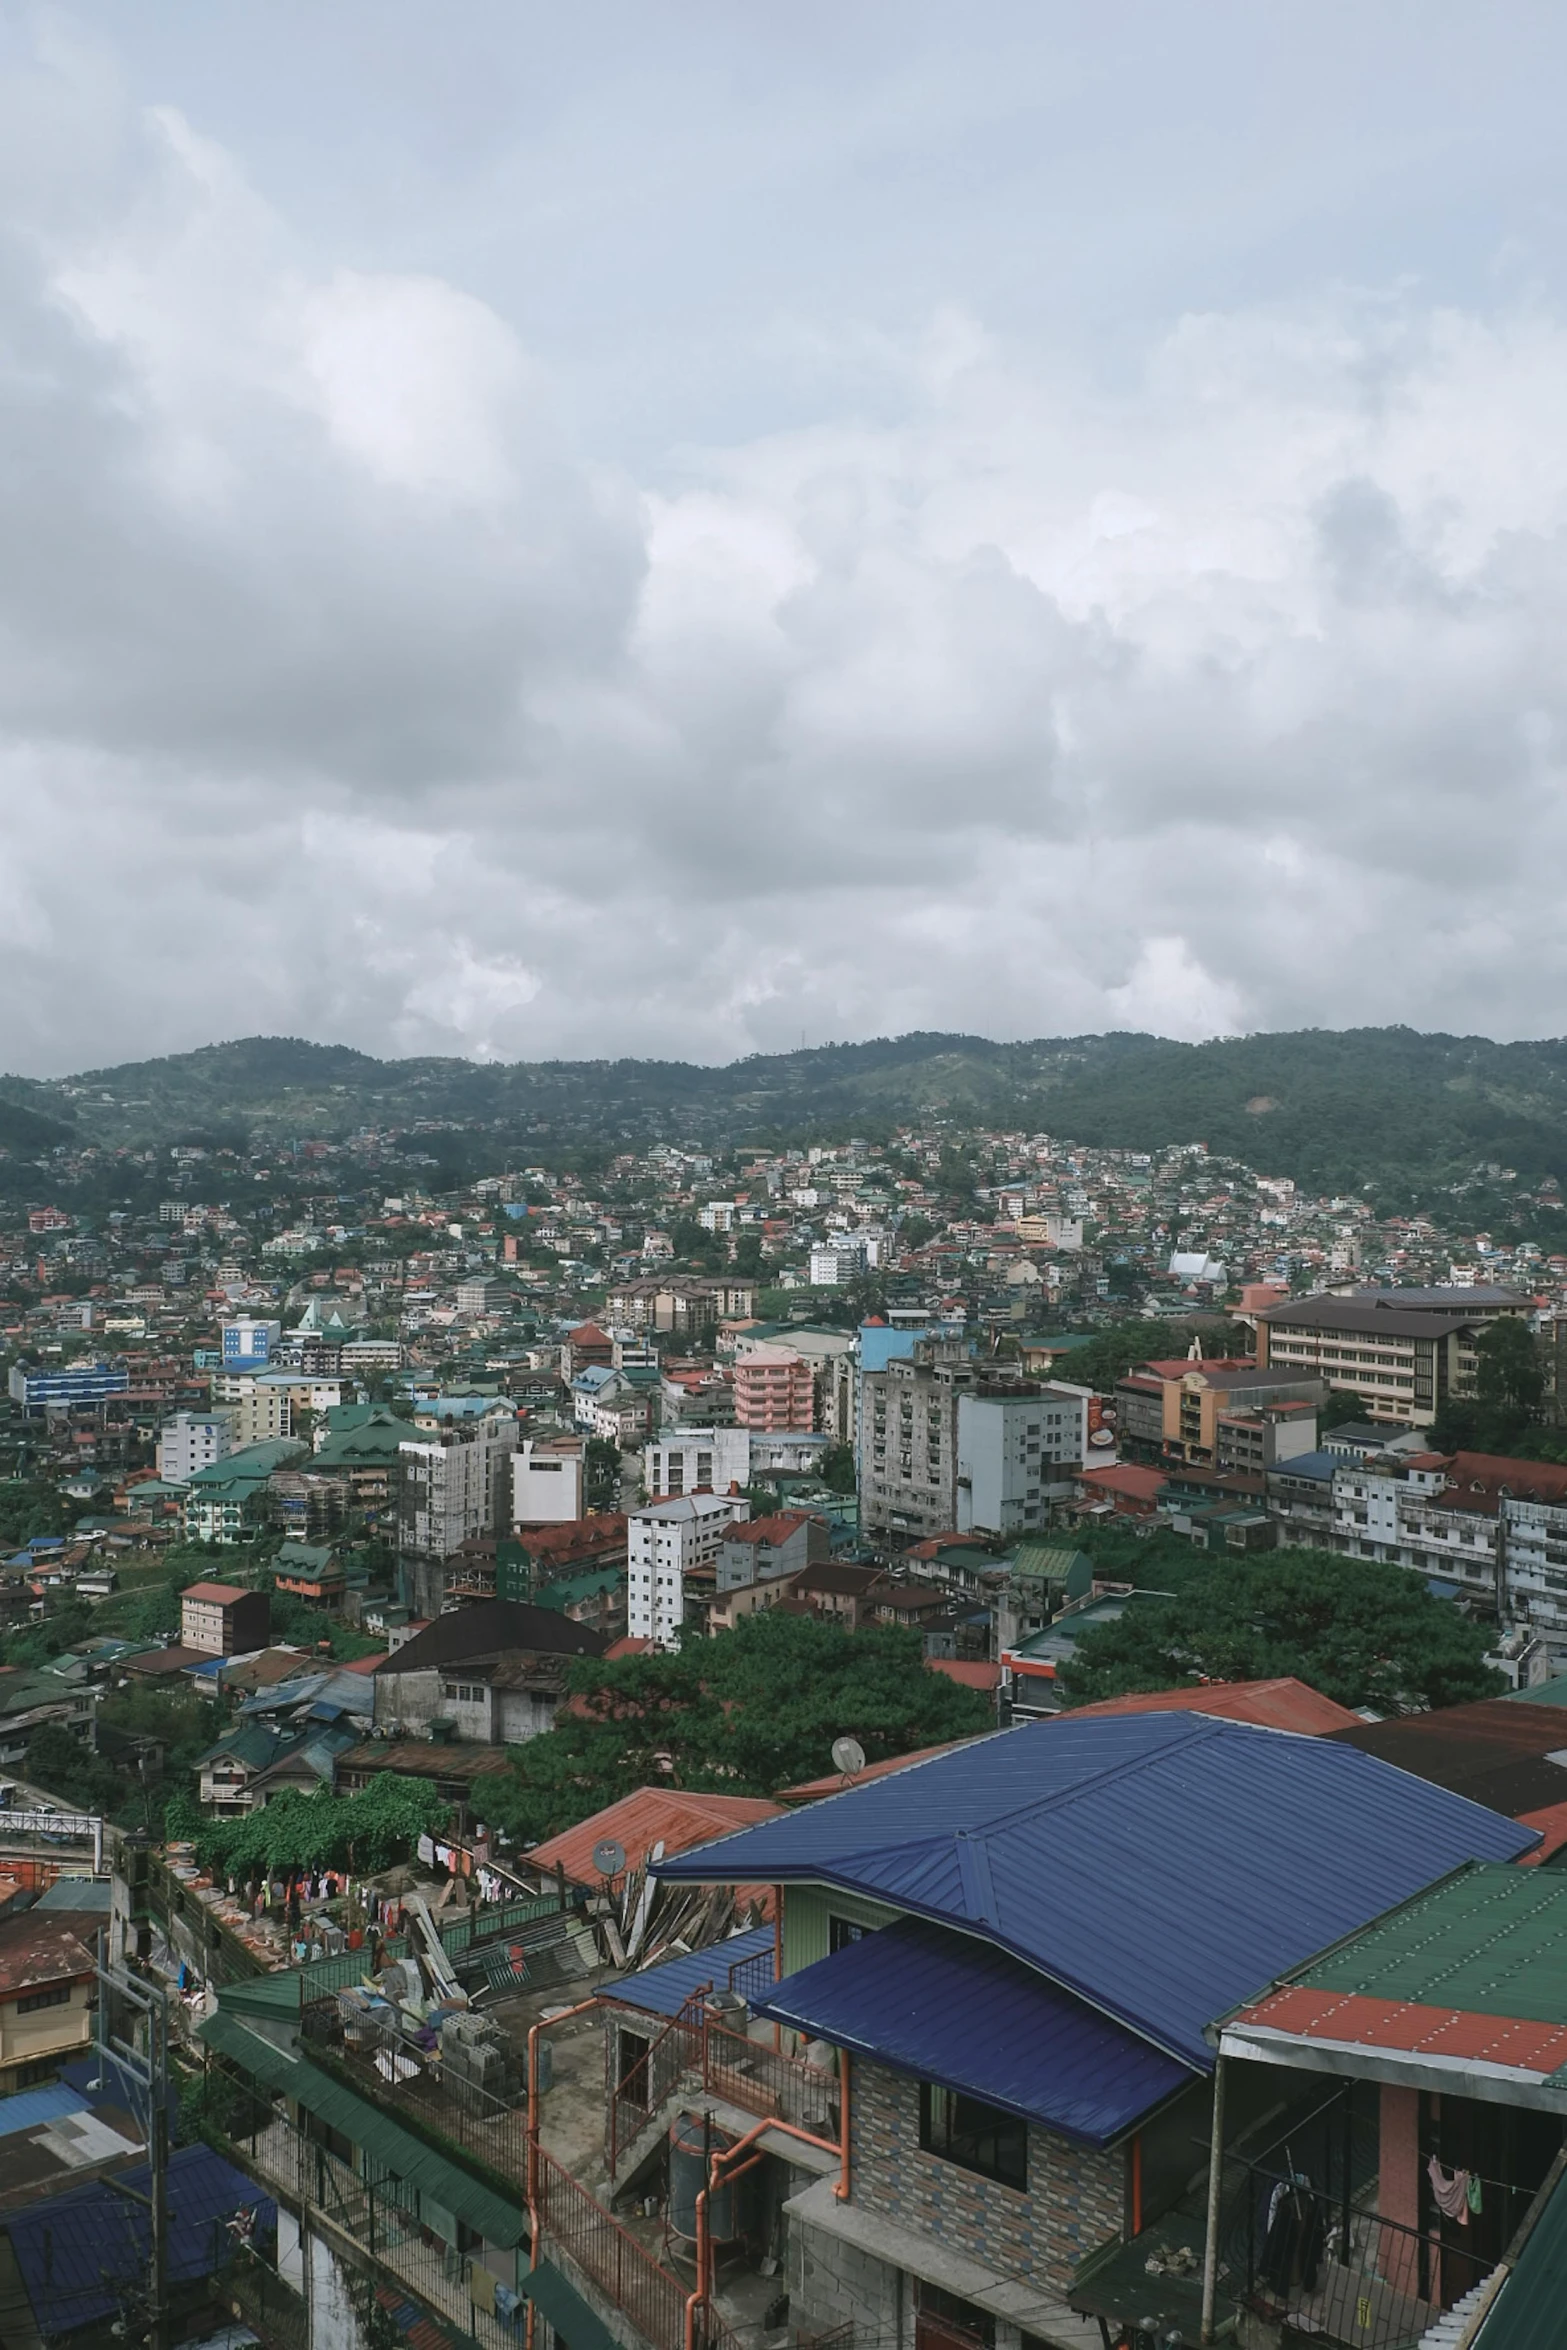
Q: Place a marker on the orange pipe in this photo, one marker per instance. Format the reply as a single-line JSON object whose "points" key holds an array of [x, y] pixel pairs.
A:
{"points": [[841, 2190]]}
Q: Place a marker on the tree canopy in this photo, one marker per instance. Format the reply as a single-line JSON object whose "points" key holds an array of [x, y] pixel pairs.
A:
{"points": [[363, 1832], [745, 1713], [1364, 1634]]}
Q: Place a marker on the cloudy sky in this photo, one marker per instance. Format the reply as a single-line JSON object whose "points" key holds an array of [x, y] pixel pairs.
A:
{"points": [[672, 528]]}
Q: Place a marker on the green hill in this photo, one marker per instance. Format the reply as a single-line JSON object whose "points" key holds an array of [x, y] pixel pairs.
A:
{"points": [[1335, 1110]]}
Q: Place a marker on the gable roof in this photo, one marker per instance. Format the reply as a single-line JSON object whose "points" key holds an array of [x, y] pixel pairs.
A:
{"points": [[1285, 1704], [472, 1634], [645, 1817], [1492, 1750], [1210, 1835]]}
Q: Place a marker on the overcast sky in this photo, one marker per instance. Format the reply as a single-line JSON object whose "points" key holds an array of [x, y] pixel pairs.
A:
{"points": [[671, 528]]}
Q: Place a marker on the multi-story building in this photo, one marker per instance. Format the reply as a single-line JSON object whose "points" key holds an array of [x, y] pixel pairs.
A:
{"points": [[667, 1543], [687, 1306], [1405, 1351], [909, 1441], [546, 1481], [761, 1548], [224, 1619], [833, 1263], [250, 1344], [192, 1441], [696, 1460], [1026, 2102], [76, 1387], [257, 1411], [774, 1388], [1015, 1440], [455, 1483], [231, 1500]]}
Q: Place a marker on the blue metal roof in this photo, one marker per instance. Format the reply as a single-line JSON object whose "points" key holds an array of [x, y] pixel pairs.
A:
{"points": [[81, 2254], [961, 2012], [665, 1988], [30, 2109], [1164, 1867]]}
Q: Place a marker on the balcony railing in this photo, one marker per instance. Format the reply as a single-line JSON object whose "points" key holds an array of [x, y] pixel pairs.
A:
{"points": [[692, 2055], [651, 2296]]}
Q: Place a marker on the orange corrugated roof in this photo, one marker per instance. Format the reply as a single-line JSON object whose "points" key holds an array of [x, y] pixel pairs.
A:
{"points": [[1411, 2027], [1552, 1824], [649, 1816], [1285, 1704], [971, 1675], [835, 1782]]}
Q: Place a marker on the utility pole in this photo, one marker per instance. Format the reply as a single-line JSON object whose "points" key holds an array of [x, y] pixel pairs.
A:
{"points": [[133, 2044]]}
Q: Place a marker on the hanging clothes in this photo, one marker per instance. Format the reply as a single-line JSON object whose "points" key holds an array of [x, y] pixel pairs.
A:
{"points": [[1292, 2248], [1451, 2189], [1476, 2199]]}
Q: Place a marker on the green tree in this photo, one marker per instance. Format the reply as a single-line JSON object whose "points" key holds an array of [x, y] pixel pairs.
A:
{"points": [[838, 1468], [1342, 1407], [1508, 1373], [601, 1464], [744, 1714], [362, 1832], [1364, 1634]]}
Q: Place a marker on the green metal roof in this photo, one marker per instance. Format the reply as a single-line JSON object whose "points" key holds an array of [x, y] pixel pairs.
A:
{"points": [[563, 2305], [387, 2143], [573, 1588], [1527, 2311], [1491, 1941], [1543, 1693]]}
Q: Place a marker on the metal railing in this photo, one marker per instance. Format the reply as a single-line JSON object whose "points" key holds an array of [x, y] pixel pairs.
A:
{"points": [[374, 2219], [469, 2118], [693, 2053], [750, 1978], [1335, 2268], [650, 2295]]}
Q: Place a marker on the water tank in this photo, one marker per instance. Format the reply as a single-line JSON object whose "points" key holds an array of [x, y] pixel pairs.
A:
{"points": [[692, 2144]]}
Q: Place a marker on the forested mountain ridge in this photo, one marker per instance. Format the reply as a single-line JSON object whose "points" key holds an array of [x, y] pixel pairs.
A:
{"points": [[1336, 1110]]}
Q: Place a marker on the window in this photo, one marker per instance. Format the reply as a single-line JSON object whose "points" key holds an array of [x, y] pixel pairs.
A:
{"points": [[842, 1931], [979, 2137], [58, 1995]]}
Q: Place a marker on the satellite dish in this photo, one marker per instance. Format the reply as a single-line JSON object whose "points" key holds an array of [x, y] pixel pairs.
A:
{"points": [[609, 1858], [849, 1756]]}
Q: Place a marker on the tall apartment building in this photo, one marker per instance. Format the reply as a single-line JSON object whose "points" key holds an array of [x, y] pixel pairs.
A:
{"points": [[192, 1441], [909, 1441], [257, 1411], [665, 1543], [1405, 1351], [774, 1387], [1014, 1440], [455, 1483]]}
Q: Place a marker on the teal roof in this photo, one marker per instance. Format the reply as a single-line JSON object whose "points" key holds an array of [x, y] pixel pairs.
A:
{"points": [[1543, 1693], [388, 2145], [251, 1466], [573, 1588], [1526, 2313]]}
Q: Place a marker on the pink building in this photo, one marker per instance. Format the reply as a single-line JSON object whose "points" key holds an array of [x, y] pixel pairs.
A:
{"points": [[773, 1389]]}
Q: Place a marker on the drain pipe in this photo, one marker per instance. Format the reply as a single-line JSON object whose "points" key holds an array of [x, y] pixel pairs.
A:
{"points": [[1210, 2250]]}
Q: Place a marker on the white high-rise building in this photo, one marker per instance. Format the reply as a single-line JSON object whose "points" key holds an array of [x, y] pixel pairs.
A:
{"points": [[1013, 1442], [664, 1543], [192, 1441]]}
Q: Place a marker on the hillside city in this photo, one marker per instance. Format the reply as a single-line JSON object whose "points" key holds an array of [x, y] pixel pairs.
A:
{"points": [[728, 1748]]}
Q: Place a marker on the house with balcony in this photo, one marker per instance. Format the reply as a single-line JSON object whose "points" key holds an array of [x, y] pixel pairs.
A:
{"points": [[1012, 1954]]}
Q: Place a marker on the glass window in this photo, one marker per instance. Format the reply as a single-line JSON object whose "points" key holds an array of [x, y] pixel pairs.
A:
{"points": [[842, 1931], [979, 2137]]}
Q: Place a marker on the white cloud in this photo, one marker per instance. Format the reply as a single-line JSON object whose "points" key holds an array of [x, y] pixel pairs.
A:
{"points": [[341, 693]]}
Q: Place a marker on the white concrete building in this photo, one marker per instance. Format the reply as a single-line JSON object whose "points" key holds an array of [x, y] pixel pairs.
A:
{"points": [[192, 1441], [1014, 1442], [456, 1482], [664, 1543], [546, 1484], [684, 1460]]}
